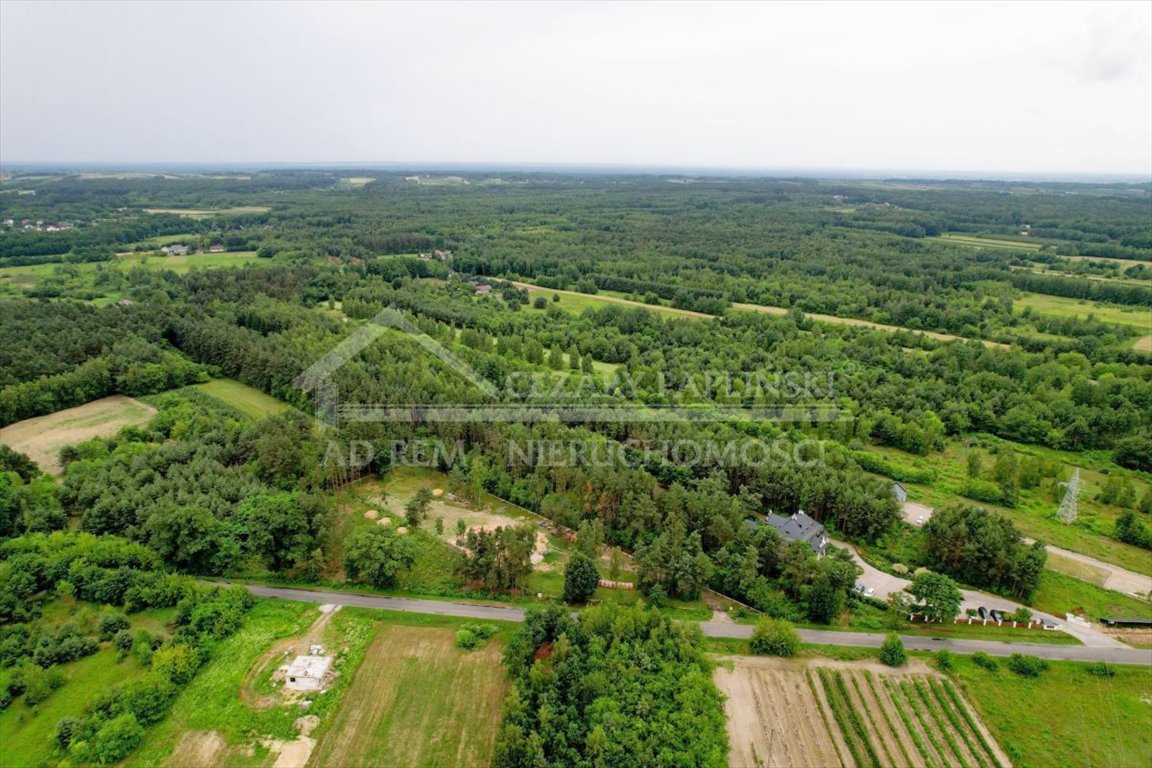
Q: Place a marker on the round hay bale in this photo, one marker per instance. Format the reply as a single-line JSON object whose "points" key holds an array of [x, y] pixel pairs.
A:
{"points": [[402, 530], [437, 492], [371, 514], [384, 521]]}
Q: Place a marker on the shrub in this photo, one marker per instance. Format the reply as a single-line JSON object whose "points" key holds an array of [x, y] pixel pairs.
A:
{"points": [[1028, 666], [540, 302], [899, 569], [982, 659], [1100, 669], [115, 741], [482, 631], [67, 728], [467, 640], [176, 663], [1022, 614], [774, 637], [892, 651], [111, 623], [945, 661], [122, 641]]}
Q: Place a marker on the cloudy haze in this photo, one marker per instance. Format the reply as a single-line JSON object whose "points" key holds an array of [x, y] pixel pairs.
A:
{"points": [[973, 87]]}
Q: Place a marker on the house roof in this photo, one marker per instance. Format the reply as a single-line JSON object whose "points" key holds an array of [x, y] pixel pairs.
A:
{"points": [[798, 527], [309, 666]]}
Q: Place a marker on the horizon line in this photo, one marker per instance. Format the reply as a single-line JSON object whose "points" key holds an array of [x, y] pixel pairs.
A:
{"points": [[577, 168]]}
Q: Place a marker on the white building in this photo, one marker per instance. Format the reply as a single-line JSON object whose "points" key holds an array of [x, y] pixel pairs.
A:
{"points": [[307, 673]]}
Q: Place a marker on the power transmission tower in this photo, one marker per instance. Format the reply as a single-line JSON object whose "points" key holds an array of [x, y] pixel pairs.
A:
{"points": [[1067, 511]]}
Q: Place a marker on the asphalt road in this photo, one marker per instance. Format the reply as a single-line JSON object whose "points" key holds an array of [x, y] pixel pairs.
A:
{"points": [[720, 629]]}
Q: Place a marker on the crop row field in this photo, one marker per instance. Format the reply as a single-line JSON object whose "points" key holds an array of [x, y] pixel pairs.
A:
{"points": [[823, 713]]}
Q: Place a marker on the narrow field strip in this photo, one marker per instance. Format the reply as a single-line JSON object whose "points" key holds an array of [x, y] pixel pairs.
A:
{"points": [[842, 750], [901, 689], [868, 715], [908, 731]]}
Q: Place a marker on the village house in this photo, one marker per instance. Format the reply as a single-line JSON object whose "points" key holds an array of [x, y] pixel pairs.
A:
{"points": [[216, 248], [483, 289], [307, 673], [800, 527], [175, 250], [899, 492]]}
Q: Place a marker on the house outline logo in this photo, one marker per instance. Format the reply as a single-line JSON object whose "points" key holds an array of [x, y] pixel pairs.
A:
{"points": [[317, 379], [327, 408]]}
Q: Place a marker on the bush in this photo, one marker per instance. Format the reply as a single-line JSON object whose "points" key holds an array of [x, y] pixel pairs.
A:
{"points": [[482, 631], [945, 661], [115, 741], [1022, 615], [1028, 666], [467, 640], [122, 641], [892, 651], [774, 637], [111, 623], [1100, 669], [982, 659]]}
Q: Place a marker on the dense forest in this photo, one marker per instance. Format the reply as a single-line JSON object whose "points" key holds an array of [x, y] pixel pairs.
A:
{"points": [[213, 494]]}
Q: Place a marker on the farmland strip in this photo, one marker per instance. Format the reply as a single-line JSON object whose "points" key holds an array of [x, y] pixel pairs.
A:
{"points": [[946, 732], [921, 719], [843, 752], [870, 719], [958, 703], [912, 729], [957, 723], [841, 718], [878, 703]]}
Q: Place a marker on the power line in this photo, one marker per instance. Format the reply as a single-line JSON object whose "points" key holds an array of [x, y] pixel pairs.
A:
{"points": [[1067, 511]]}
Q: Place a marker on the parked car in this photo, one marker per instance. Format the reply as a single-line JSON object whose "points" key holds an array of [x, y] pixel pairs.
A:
{"points": [[997, 615], [870, 591], [983, 612], [920, 520]]}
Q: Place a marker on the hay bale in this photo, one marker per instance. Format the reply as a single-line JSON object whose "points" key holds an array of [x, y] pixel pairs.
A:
{"points": [[437, 492], [371, 514]]}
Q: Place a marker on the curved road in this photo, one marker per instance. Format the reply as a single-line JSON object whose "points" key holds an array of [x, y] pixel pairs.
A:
{"points": [[1123, 655]]}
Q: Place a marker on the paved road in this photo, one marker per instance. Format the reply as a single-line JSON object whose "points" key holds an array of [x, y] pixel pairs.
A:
{"points": [[1122, 655], [885, 583]]}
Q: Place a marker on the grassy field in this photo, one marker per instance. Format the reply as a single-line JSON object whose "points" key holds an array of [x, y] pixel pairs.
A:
{"points": [[1059, 594], [211, 702], [244, 398], [195, 213], [578, 302], [41, 438], [184, 264], [1066, 718], [418, 700], [982, 241], [1058, 306], [28, 733], [1035, 510]]}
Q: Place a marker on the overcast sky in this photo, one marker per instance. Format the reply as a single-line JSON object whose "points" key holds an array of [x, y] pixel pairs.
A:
{"points": [[971, 87]]}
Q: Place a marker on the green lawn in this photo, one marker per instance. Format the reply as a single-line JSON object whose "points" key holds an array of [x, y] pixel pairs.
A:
{"points": [[1066, 718], [250, 401], [1035, 510], [1058, 306], [28, 733], [1059, 594], [212, 702], [983, 241], [185, 264]]}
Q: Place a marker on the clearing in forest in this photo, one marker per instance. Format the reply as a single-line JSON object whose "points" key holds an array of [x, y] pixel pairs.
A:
{"points": [[822, 713], [42, 437], [249, 400], [417, 699]]}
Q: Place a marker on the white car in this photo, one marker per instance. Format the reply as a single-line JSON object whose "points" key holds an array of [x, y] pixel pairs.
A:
{"points": [[870, 591], [920, 520]]}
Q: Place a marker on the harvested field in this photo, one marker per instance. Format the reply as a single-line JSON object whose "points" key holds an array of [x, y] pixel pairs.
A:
{"points": [[418, 700], [42, 438], [819, 713]]}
